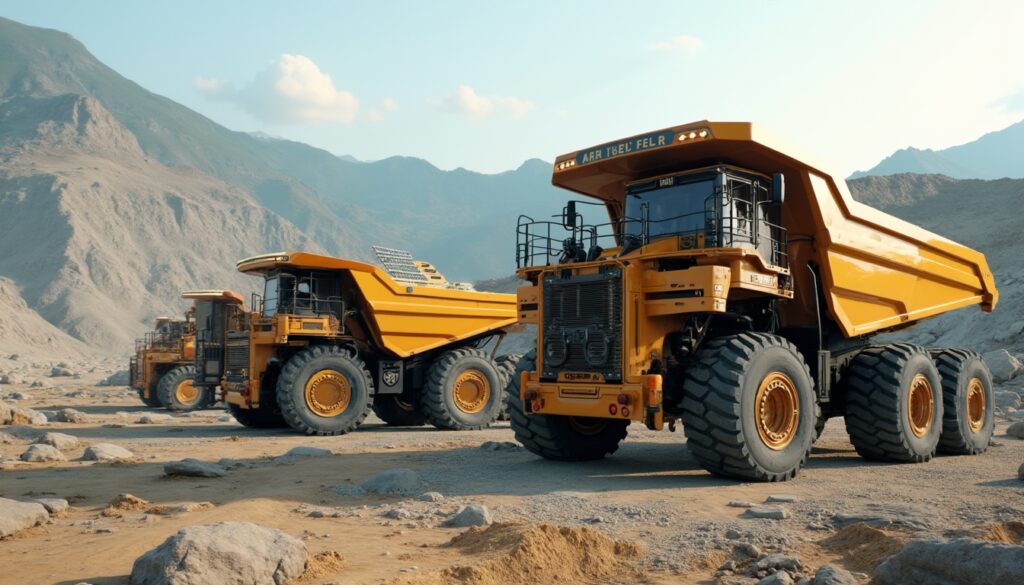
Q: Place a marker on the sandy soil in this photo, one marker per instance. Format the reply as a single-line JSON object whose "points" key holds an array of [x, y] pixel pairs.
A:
{"points": [[651, 493]]}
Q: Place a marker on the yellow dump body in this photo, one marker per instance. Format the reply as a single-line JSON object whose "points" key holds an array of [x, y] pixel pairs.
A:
{"points": [[405, 319], [878, 272]]}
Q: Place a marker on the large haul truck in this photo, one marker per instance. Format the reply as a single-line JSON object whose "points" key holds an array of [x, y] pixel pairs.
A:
{"points": [[736, 288], [216, 312], [159, 367], [330, 339]]}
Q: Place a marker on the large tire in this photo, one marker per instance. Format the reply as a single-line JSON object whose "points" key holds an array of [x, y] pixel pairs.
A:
{"points": [[177, 392], [561, 438], [263, 417], [885, 422], [464, 391], [507, 366], [749, 408], [398, 410], [968, 406], [153, 401], [313, 378]]}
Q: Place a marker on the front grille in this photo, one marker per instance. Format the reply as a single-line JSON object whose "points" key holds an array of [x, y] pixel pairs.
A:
{"points": [[582, 330], [236, 355]]}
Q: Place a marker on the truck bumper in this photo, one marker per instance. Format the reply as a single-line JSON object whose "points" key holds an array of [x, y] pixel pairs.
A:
{"points": [[630, 401]]}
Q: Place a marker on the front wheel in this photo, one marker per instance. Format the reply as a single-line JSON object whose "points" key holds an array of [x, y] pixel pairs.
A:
{"points": [[177, 391], [325, 390], [560, 438], [749, 410]]}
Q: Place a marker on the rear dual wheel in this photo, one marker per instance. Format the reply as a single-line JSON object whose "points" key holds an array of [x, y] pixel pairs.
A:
{"points": [[464, 391], [968, 417], [324, 390]]}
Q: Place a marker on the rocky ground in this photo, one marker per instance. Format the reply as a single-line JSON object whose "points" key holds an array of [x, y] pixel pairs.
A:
{"points": [[393, 505]]}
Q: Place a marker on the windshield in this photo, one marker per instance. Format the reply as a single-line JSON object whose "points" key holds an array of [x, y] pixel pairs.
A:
{"points": [[676, 209]]}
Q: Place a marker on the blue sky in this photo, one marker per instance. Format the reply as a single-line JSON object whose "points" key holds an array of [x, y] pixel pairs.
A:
{"points": [[488, 85]]}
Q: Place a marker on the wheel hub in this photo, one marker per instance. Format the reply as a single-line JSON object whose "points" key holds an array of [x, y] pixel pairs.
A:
{"points": [[975, 405], [472, 391], [186, 393], [328, 393], [778, 411], [921, 404]]}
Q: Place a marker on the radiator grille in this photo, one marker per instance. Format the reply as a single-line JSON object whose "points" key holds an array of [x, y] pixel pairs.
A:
{"points": [[583, 325], [236, 355]]}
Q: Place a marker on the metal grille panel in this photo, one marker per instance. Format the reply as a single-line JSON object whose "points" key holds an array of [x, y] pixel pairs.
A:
{"points": [[583, 325]]}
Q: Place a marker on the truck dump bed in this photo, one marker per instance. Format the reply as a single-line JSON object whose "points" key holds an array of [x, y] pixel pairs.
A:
{"points": [[406, 319], [878, 272]]}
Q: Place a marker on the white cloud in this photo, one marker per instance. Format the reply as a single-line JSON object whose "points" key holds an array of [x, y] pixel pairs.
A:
{"points": [[468, 102], [685, 44], [292, 90], [389, 105]]}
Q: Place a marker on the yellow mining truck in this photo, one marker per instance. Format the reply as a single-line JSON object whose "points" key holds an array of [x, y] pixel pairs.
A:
{"points": [[330, 339], [736, 289], [161, 365], [216, 312]]}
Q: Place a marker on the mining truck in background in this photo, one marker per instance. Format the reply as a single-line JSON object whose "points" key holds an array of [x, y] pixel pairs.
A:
{"points": [[329, 339], [160, 369], [215, 313], [736, 288]]}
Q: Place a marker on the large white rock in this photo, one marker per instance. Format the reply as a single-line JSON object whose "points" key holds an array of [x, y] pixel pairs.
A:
{"points": [[303, 452], [107, 452], [190, 467], [62, 441], [41, 453], [953, 562], [393, 482], [1004, 365], [226, 553], [20, 414], [16, 516]]}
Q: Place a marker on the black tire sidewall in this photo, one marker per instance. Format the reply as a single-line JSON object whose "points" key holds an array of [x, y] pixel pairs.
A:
{"points": [[764, 362], [974, 367], [358, 399], [169, 386], [497, 395], [920, 363]]}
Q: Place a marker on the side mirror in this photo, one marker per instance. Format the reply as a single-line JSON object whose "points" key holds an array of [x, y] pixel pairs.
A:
{"points": [[569, 215], [778, 188]]}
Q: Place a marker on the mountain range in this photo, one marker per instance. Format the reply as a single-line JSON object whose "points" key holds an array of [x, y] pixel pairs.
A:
{"points": [[995, 155]]}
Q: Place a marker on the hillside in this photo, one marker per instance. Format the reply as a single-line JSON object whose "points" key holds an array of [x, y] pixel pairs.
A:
{"points": [[979, 214], [995, 155]]}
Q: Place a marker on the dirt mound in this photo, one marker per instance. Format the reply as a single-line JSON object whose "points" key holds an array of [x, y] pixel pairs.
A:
{"points": [[1006, 533], [323, 564], [862, 548], [124, 503], [517, 553]]}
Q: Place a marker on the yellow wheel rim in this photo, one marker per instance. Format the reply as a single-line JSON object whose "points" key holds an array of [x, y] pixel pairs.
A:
{"points": [[975, 405], [587, 426], [921, 404], [472, 391], [328, 393], [778, 411], [186, 393]]}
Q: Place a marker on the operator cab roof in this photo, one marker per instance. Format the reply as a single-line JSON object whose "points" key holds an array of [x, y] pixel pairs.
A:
{"points": [[294, 259], [603, 171], [213, 295]]}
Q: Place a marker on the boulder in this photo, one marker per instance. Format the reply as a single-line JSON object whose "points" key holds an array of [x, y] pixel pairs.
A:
{"points": [[393, 482], [193, 468], [70, 415], [770, 512], [16, 516], [780, 578], [54, 506], [42, 453], [1016, 430], [154, 419], [1007, 399], [6, 438], [119, 378], [107, 452], [21, 415], [953, 562], [471, 515], [832, 575], [236, 553], [61, 441], [61, 372], [778, 562], [24, 432], [1004, 365], [435, 497]]}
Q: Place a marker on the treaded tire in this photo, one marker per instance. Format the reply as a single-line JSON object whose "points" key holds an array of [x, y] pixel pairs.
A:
{"points": [[877, 402], [819, 427], [720, 411], [154, 395], [553, 437], [438, 400], [398, 410], [258, 418], [957, 367], [167, 390], [507, 366], [301, 367]]}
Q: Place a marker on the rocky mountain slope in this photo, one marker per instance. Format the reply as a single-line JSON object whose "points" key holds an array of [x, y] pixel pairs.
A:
{"points": [[993, 156]]}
